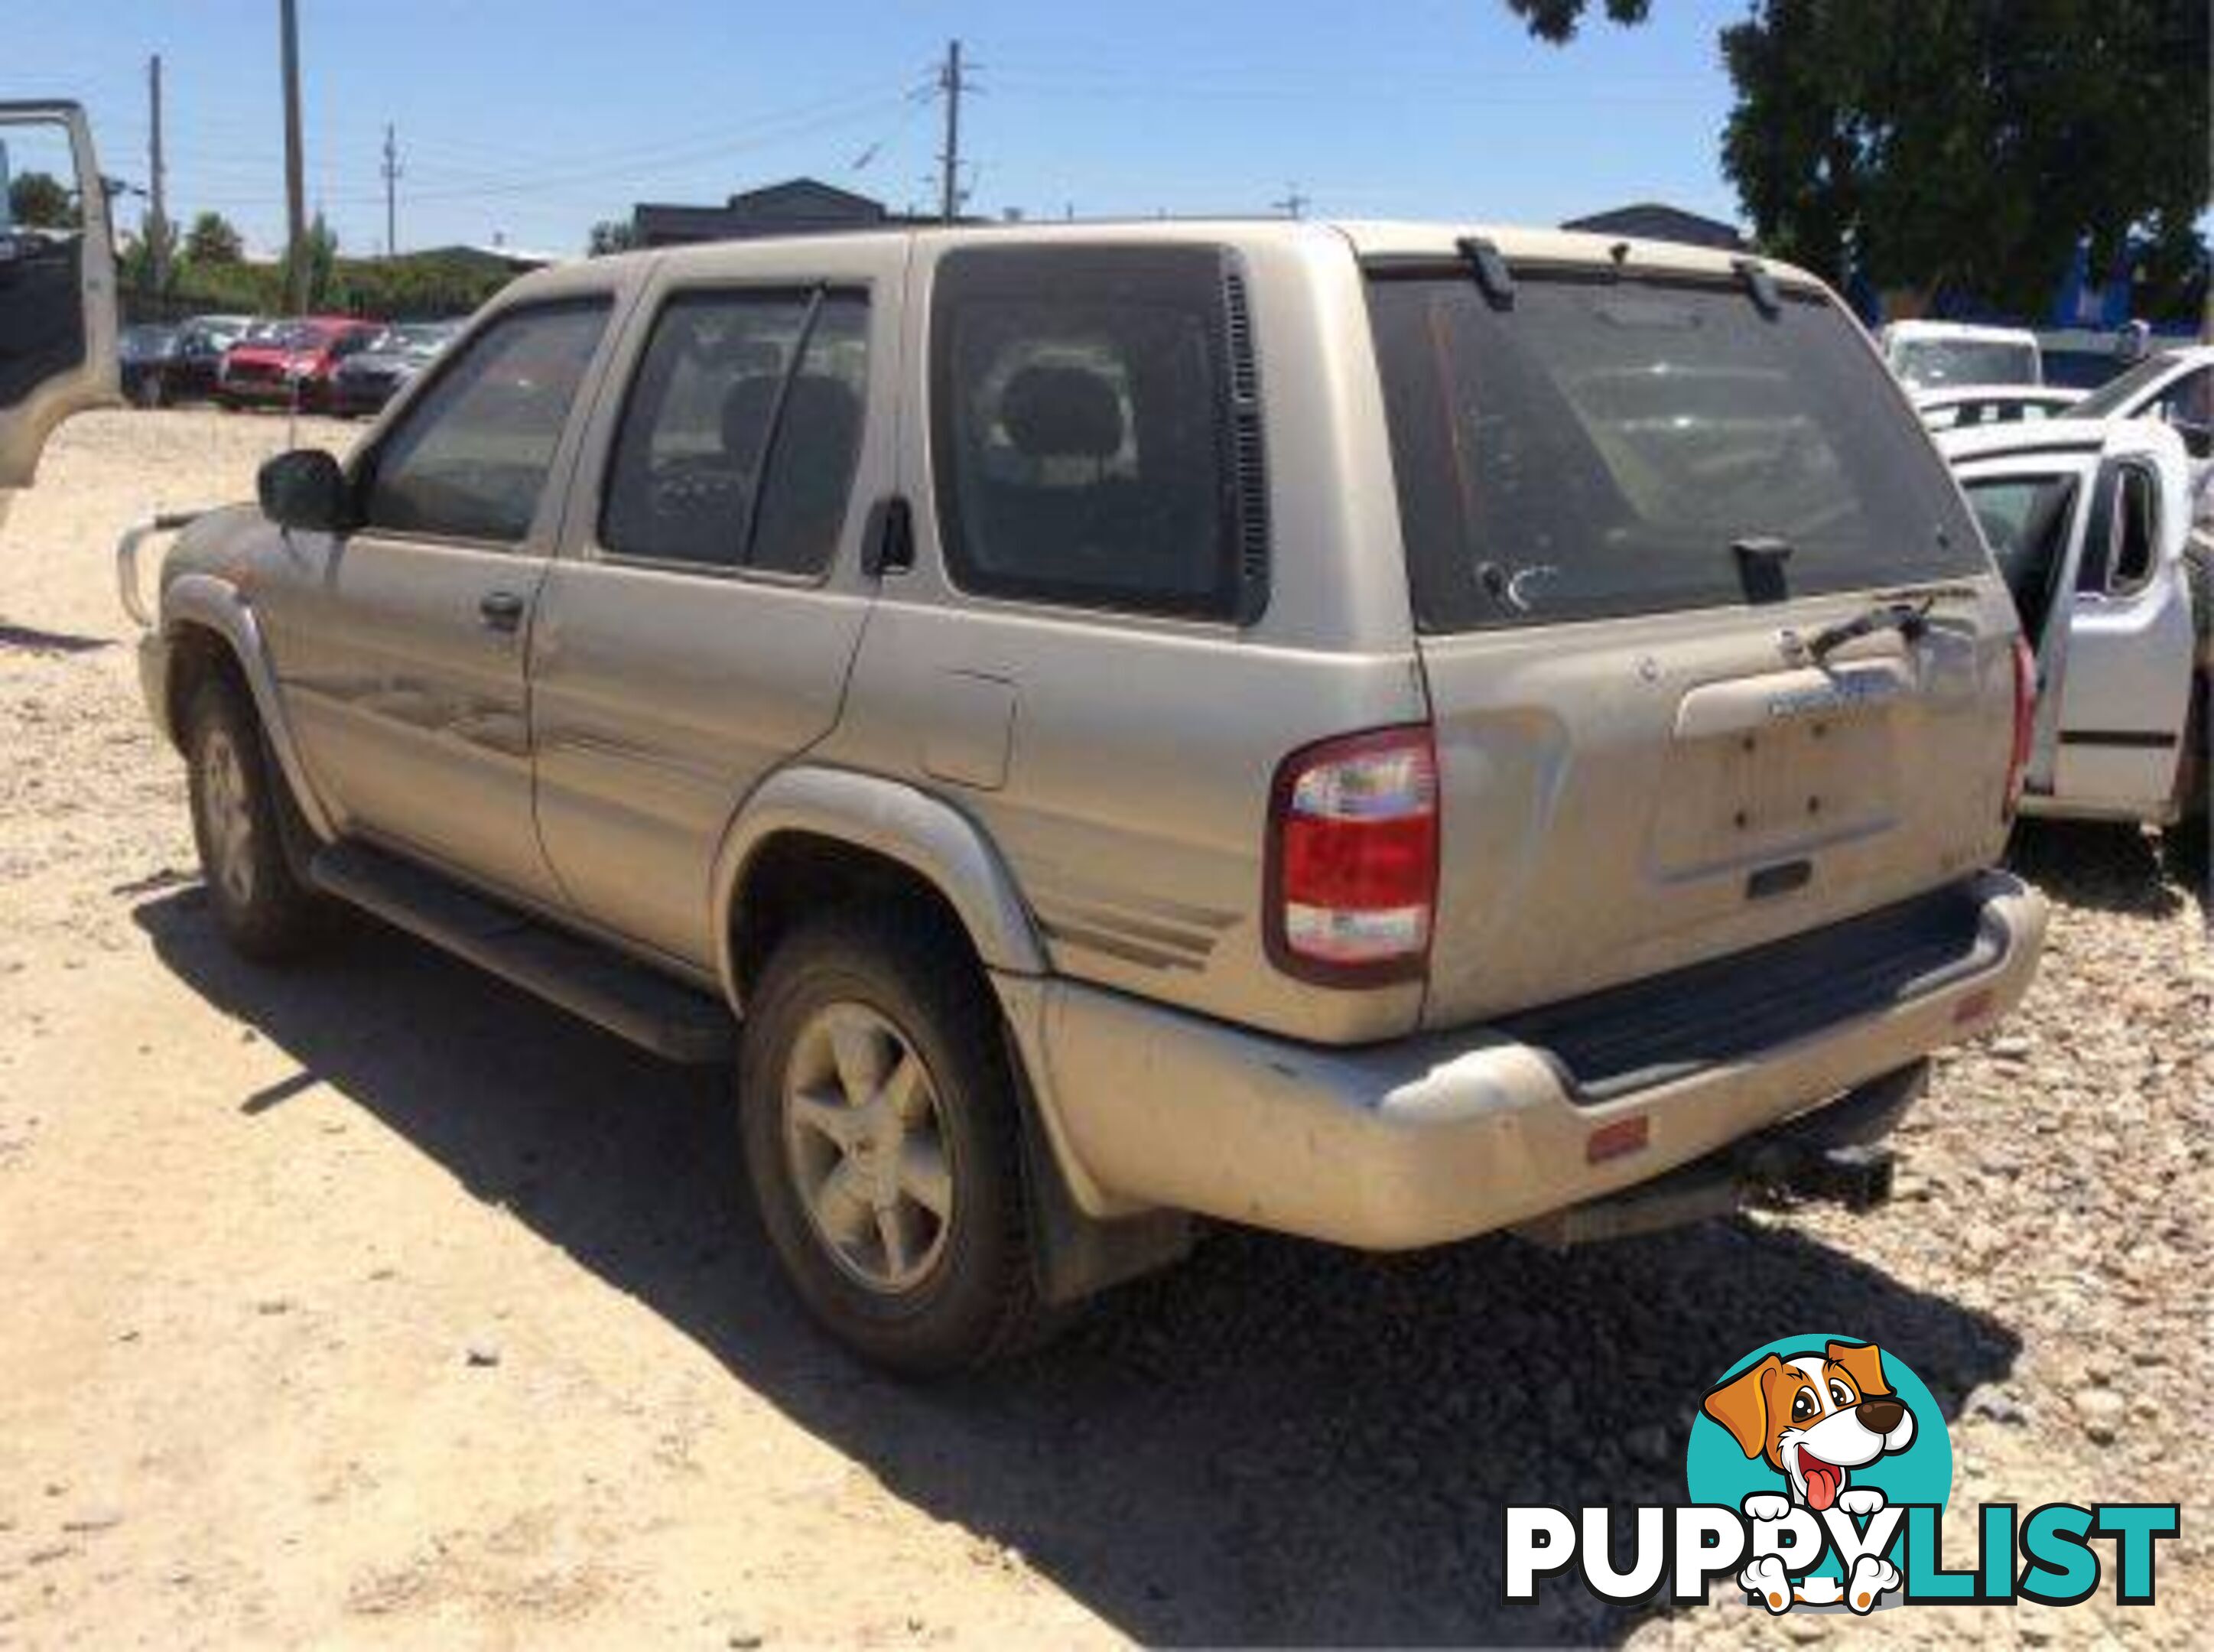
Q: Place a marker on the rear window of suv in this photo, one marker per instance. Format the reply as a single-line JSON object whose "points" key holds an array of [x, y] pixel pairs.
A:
{"points": [[1597, 447]]}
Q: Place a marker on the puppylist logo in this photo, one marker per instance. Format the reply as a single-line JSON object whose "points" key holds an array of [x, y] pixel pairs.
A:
{"points": [[1818, 1472]]}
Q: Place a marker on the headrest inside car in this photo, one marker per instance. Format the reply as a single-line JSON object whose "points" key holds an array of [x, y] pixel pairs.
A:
{"points": [[1062, 412], [747, 407]]}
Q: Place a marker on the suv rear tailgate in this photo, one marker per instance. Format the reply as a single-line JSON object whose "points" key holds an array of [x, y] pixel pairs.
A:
{"points": [[1630, 510], [1644, 795]]}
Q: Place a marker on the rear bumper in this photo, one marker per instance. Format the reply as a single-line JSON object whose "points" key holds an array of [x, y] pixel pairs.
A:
{"points": [[1438, 1138]]}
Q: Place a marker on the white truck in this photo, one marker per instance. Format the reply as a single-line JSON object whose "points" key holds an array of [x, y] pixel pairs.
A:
{"points": [[2090, 522]]}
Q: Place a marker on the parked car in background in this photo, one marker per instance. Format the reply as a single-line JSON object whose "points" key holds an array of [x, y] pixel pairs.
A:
{"points": [[146, 353], [198, 360], [1926, 354], [277, 362], [2176, 387], [2089, 521], [1959, 407], [369, 378], [1108, 724]]}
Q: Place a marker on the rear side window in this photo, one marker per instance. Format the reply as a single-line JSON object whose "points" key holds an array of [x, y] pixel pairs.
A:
{"points": [[738, 442], [1599, 447], [470, 456], [1094, 429]]}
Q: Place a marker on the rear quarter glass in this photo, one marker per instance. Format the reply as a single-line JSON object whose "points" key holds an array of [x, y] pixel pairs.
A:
{"points": [[1596, 449]]}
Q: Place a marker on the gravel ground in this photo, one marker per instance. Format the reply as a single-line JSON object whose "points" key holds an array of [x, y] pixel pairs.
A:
{"points": [[375, 1303]]}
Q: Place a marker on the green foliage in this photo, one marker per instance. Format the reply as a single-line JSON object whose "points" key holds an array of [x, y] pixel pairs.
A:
{"points": [[1968, 145], [213, 240], [1965, 146], [137, 262], [612, 236], [315, 258], [1556, 20], [39, 200]]}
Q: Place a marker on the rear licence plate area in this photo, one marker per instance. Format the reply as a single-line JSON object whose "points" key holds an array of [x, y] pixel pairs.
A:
{"points": [[1765, 768]]}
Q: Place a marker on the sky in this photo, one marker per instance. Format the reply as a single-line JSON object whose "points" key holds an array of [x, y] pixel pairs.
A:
{"points": [[529, 121]]}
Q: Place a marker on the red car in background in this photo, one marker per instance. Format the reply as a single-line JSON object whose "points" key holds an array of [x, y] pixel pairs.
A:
{"points": [[274, 359]]}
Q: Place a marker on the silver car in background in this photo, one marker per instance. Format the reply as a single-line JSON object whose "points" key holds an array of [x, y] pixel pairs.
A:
{"points": [[364, 382]]}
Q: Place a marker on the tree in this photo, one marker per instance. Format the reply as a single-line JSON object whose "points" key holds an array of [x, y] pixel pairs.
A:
{"points": [[612, 236], [1555, 20], [213, 240], [1969, 146], [39, 200], [318, 249]]}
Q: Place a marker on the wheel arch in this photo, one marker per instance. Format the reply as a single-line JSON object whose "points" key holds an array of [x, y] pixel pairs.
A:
{"points": [[208, 626], [877, 831]]}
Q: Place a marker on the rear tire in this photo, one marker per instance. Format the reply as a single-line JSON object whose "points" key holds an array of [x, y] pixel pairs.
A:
{"points": [[239, 824], [882, 1139]]}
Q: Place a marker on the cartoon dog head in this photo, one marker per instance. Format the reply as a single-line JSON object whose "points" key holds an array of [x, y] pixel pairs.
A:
{"points": [[1814, 1416]]}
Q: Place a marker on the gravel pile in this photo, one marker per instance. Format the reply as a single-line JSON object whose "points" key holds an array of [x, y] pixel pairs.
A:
{"points": [[1280, 1442]]}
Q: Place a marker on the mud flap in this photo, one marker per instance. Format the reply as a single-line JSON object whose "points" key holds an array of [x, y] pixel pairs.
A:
{"points": [[1074, 1255]]}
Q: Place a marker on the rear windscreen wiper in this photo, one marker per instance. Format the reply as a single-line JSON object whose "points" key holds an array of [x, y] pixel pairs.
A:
{"points": [[1910, 620]]}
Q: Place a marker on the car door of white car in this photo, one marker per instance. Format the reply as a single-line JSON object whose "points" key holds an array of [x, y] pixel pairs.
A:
{"points": [[2126, 687], [57, 281]]}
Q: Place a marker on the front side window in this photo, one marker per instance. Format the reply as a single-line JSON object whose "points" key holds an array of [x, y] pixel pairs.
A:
{"points": [[738, 443], [1599, 448], [1081, 428], [470, 459]]}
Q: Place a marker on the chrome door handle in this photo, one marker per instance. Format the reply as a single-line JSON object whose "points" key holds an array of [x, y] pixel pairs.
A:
{"points": [[500, 610]]}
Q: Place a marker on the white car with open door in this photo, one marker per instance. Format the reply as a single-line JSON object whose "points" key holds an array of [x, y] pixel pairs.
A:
{"points": [[58, 344], [2089, 522]]}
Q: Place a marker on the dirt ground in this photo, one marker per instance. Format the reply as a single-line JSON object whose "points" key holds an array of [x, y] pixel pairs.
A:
{"points": [[375, 1304]]}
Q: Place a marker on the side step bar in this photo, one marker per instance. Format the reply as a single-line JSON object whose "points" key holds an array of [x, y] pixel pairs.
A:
{"points": [[603, 987]]}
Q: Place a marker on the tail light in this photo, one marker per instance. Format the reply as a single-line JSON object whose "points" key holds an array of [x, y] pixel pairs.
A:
{"points": [[2025, 723], [1352, 859]]}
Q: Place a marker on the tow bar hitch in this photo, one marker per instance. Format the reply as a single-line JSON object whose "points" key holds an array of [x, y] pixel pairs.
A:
{"points": [[1835, 1155]]}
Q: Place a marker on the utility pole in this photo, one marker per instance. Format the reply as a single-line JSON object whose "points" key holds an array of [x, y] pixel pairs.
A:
{"points": [[391, 197], [949, 83], [157, 213], [296, 188], [1294, 204]]}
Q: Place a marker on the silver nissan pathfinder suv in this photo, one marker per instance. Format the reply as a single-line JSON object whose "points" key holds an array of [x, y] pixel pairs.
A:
{"points": [[1380, 732]]}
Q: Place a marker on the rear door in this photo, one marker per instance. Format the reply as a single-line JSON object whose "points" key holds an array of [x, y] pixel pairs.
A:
{"points": [[2126, 692], [57, 338], [1631, 509], [697, 629]]}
